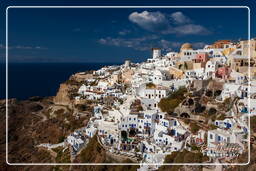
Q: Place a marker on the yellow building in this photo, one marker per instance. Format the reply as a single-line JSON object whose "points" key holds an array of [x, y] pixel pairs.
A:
{"points": [[249, 47], [176, 73]]}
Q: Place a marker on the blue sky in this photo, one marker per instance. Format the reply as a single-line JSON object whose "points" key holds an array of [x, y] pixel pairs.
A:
{"points": [[113, 35]]}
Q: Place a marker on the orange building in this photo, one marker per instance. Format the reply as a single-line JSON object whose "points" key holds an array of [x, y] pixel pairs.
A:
{"points": [[220, 43]]}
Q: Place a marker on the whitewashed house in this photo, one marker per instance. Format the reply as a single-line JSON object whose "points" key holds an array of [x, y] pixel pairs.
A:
{"points": [[75, 140]]}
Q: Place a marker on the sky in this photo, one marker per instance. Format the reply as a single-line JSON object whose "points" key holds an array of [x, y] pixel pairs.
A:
{"points": [[114, 35]]}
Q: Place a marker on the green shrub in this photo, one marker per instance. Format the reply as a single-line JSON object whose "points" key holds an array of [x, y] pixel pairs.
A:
{"points": [[172, 101], [168, 105], [199, 108], [212, 111], [212, 127], [221, 117], [208, 93], [194, 128]]}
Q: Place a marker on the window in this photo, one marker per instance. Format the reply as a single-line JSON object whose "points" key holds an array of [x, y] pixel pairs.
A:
{"points": [[211, 136], [228, 139]]}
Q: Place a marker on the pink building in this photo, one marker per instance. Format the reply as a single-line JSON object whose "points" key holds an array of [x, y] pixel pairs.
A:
{"points": [[223, 72], [201, 57]]}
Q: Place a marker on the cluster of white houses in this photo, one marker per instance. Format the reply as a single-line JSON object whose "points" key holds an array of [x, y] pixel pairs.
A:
{"points": [[138, 126]]}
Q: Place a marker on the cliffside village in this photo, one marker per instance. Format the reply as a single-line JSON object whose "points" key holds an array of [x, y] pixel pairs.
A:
{"points": [[192, 99]]}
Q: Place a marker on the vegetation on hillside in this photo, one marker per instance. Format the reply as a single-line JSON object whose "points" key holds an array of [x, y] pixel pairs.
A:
{"points": [[173, 100], [182, 157], [194, 128]]}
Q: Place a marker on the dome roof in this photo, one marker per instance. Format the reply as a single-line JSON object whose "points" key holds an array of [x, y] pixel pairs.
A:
{"points": [[186, 46]]}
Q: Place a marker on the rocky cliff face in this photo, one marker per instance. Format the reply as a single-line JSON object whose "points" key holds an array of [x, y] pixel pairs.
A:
{"points": [[63, 97]]}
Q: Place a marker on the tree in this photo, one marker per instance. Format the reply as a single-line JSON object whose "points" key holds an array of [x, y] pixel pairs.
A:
{"points": [[190, 102], [132, 132], [217, 92], [212, 111], [194, 128], [199, 108], [208, 93]]}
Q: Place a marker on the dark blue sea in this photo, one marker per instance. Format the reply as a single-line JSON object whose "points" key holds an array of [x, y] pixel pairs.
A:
{"points": [[39, 79]]}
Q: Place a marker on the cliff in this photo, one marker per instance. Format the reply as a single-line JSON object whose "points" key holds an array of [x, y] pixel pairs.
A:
{"points": [[63, 97]]}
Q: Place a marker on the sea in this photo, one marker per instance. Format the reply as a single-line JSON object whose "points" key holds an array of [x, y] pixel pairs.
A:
{"points": [[39, 79]]}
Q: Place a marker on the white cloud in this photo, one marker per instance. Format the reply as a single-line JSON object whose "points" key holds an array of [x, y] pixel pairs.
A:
{"points": [[168, 45], [180, 18], [158, 22], [191, 29], [152, 21]]}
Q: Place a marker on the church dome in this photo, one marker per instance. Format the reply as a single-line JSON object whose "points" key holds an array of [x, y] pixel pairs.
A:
{"points": [[186, 46]]}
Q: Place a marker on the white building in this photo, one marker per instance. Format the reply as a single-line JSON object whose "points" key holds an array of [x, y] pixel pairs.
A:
{"points": [[156, 93], [156, 53], [75, 140]]}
